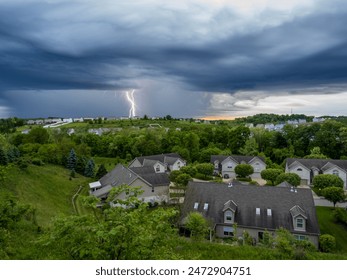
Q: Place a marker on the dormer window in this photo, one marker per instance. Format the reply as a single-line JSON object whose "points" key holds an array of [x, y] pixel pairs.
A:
{"points": [[157, 168], [228, 216], [300, 223], [299, 218]]}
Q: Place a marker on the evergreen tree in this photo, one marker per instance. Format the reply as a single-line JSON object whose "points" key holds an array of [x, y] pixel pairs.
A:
{"points": [[13, 154], [3, 157], [101, 171], [72, 160], [89, 169]]}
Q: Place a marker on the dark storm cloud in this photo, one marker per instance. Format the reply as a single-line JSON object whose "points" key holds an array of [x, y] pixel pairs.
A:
{"points": [[108, 45]]}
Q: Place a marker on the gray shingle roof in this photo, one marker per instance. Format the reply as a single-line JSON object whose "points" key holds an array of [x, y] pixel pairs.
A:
{"points": [[160, 157], [157, 179], [248, 198], [237, 158], [318, 163], [119, 175]]}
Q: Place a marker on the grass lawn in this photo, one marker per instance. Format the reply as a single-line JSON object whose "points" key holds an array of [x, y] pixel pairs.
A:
{"points": [[328, 226], [47, 188]]}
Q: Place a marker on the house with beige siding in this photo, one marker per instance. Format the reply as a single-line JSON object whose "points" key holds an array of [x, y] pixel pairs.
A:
{"points": [[234, 208], [155, 186], [160, 163], [308, 168]]}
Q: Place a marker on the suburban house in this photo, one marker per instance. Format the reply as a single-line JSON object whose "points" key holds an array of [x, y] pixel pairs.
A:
{"points": [[234, 208], [160, 163], [308, 168], [225, 165], [155, 186]]}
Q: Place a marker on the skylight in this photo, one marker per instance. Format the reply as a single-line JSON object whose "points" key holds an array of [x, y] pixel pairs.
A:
{"points": [[196, 205], [205, 206], [257, 211], [269, 212]]}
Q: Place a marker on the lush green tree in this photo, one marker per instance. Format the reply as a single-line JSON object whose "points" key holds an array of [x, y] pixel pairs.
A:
{"points": [[334, 194], [238, 138], [327, 243], [244, 170], [116, 233], [3, 157], [323, 181], [205, 168], [13, 154], [89, 169], [38, 135], [72, 160], [182, 180], [206, 153], [270, 175], [328, 139], [197, 225], [101, 171], [316, 153], [251, 147], [291, 178], [189, 169], [174, 174], [191, 142], [50, 153]]}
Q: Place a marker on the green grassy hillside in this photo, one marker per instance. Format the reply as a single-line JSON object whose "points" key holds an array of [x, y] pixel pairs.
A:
{"points": [[328, 226], [47, 188]]}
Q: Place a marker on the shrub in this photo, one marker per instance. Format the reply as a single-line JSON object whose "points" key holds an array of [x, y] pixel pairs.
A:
{"points": [[291, 178], [37, 161], [323, 181], [340, 215], [327, 243], [244, 170]]}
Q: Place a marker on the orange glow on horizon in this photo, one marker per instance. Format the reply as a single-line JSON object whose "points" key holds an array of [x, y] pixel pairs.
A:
{"points": [[219, 118]]}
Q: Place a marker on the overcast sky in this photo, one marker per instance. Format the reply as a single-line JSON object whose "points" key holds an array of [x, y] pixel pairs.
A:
{"points": [[186, 58]]}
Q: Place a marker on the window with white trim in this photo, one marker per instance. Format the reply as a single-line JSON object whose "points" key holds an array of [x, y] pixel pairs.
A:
{"points": [[228, 216], [300, 223], [335, 172], [299, 169], [157, 168], [300, 237], [228, 231]]}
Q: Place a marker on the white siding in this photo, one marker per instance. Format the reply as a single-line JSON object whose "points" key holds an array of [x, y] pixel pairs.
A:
{"points": [[300, 170], [177, 165], [341, 173]]}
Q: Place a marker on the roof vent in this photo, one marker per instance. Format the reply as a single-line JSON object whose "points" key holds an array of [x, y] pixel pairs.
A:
{"points": [[230, 185]]}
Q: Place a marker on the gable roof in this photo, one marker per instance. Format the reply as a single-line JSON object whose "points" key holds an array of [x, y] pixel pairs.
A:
{"points": [[236, 158], [318, 163], [248, 198], [160, 157], [118, 175], [297, 211]]}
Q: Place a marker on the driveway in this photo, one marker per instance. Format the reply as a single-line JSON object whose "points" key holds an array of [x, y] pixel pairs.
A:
{"points": [[321, 201]]}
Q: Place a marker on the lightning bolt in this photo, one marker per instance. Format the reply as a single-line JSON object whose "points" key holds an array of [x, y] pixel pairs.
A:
{"points": [[130, 97]]}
